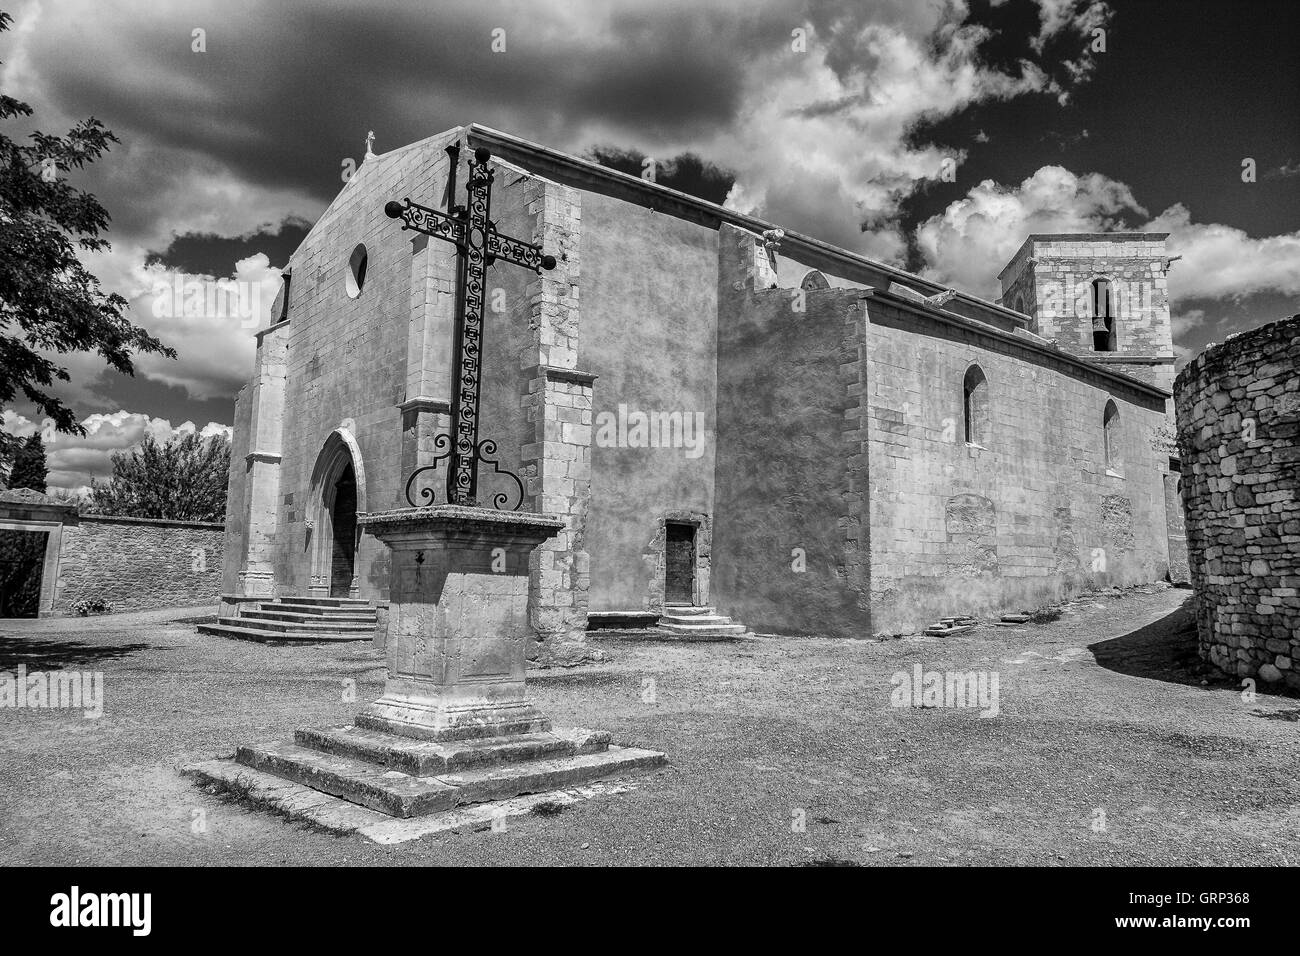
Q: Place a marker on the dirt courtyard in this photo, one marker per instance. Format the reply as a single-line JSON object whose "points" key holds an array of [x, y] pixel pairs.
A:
{"points": [[1107, 748]]}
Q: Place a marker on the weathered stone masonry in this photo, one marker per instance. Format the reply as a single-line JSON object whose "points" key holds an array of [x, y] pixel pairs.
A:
{"points": [[1239, 432]]}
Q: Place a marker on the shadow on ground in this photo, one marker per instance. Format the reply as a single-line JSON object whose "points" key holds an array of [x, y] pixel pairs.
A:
{"points": [[53, 655], [1165, 650]]}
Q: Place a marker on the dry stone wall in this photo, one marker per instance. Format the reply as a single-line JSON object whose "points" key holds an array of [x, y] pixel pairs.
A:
{"points": [[1239, 433]]}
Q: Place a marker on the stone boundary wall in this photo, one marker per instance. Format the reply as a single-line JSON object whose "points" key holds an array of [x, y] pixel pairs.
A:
{"points": [[137, 564], [1239, 434]]}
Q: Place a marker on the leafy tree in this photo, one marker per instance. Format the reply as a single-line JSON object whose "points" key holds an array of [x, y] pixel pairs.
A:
{"points": [[49, 303], [29, 469], [184, 480], [65, 496]]}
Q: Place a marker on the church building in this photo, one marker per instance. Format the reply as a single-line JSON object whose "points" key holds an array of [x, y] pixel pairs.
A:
{"points": [[728, 415]]}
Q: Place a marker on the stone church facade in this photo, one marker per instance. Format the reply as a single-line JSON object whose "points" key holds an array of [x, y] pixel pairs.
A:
{"points": [[726, 414]]}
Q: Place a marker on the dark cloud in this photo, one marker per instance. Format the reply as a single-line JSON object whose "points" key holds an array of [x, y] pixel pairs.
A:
{"points": [[686, 173], [285, 92], [212, 255]]}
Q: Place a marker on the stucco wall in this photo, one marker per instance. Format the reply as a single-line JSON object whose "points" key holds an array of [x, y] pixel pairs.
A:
{"points": [[960, 529], [1239, 435], [139, 563], [788, 539], [649, 331]]}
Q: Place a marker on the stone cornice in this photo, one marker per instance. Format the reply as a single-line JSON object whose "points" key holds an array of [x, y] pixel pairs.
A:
{"points": [[460, 517], [574, 375], [422, 404], [273, 327]]}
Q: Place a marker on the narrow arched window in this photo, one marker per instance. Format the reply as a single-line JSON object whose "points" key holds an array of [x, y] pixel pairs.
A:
{"points": [[975, 405], [1103, 316], [814, 281], [1110, 436]]}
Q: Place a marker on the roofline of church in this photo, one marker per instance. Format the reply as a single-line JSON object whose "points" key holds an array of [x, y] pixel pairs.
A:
{"points": [[663, 199], [1033, 237], [1043, 348], [576, 171]]}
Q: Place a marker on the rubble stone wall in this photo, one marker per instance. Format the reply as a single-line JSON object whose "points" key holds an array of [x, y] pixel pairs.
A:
{"points": [[1239, 433]]}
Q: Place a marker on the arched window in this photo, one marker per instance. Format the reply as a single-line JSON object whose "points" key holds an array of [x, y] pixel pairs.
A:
{"points": [[1103, 316], [355, 278], [975, 405], [814, 281], [1110, 436]]}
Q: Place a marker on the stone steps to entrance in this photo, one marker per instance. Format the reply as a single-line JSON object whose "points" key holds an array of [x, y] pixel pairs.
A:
{"points": [[323, 602], [276, 612], [687, 610], [300, 619], [261, 634], [480, 770], [699, 623], [306, 627]]}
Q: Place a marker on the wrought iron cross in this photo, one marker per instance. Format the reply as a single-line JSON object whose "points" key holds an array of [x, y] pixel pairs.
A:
{"points": [[479, 244]]}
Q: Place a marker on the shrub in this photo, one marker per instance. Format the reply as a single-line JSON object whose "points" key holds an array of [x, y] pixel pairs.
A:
{"points": [[88, 606]]}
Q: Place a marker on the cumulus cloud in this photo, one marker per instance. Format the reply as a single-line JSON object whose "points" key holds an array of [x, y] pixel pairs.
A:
{"points": [[208, 320], [824, 147], [1221, 261], [75, 460], [967, 244]]}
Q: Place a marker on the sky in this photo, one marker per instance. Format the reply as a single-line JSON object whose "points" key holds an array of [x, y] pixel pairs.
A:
{"points": [[930, 134]]}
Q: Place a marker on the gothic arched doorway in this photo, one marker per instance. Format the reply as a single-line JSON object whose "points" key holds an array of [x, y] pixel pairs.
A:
{"points": [[343, 551], [338, 495]]}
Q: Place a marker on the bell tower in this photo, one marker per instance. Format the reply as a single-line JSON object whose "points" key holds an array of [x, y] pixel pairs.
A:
{"points": [[1101, 296]]}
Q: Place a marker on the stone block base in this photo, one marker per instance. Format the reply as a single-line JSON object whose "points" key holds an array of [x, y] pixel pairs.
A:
{"points": [[566, 652], [431, 720], [404, 777]]}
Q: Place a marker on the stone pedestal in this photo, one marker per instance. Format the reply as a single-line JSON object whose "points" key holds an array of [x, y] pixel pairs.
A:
{"points": [[454, 725], [458, 622]]}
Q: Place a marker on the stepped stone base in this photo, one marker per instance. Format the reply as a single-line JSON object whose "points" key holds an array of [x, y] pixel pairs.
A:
{"points": [[698, 623], [305, 805], [404, 776], [299, 619]]}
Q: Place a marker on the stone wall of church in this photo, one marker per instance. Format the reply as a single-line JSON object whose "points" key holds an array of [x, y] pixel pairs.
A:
{"points": [[347, 356], [1239, 434], [789, 540], [1028, 516], [136, 564], [648, 331], [234, 539]]}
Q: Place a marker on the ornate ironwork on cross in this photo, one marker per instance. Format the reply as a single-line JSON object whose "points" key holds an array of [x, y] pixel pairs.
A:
{"points": [[479, 244]]}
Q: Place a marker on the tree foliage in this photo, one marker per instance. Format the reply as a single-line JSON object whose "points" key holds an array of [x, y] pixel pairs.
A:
{"points": [[29, 469], [184, 480], [49, 303]]}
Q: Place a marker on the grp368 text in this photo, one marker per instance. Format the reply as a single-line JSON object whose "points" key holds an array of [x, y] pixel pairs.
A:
{"points": [[1163, 899]]}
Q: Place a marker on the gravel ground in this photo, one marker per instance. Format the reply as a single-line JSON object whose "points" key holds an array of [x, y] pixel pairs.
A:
{"points": [[1102, 710]]}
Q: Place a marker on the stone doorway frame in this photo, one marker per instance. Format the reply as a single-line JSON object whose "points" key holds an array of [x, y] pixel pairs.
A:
{"points": [[691, 530], [339, 450], [656, 555], [24, 510]]}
